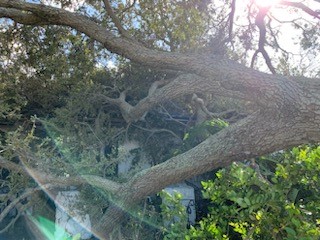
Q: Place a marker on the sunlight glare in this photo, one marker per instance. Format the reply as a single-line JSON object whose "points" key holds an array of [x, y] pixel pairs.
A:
{"points": [[266, 3]]}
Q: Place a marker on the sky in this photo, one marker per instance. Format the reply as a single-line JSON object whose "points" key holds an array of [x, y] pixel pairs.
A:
{"points": [[289, 37]]}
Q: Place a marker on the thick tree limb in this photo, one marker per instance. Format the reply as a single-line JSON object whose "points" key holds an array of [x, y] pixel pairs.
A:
{"points": [[260, 92], [291, 121], [58, 182], [20, 16], [122, 46], [214, 68], [287, 110], [102, 183], [243, 140]]}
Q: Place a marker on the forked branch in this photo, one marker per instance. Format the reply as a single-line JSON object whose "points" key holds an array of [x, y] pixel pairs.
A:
{"points": [[262, 40], [115, 19]]}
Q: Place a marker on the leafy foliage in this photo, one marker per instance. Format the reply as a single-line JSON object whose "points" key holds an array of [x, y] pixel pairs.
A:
{"points": [[201, 132], [56, 73], [177, 26], [174, 215], [41, 66], [248, 205]]}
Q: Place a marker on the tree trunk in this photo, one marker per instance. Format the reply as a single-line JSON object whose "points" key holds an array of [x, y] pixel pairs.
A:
{"points": [[286, 110]]}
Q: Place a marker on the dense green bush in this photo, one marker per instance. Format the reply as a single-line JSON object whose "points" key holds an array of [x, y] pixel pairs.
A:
{"points": [[278, 200]]}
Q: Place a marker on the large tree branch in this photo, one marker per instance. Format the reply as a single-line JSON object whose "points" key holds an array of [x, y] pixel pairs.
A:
{"points": [[260, 92], [20, 16], [122, 46], [230, 77], [261, 133], [292, 118], [186, 83], [58, 182], [289, 107]]}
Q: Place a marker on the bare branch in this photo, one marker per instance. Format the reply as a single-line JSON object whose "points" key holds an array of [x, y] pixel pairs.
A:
{"points": [[130, 6], [115, 19], [170, 117], [21, 208], [231, 19], [155, 96], [254, 57], [262, 39], [303, 7], [121, 102], [156, 130], [274, 36], [24, 195], [223, 115], [155, 85]]}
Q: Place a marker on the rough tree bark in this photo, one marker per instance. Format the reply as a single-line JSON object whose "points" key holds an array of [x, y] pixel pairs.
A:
{"points": [[286, 110]]}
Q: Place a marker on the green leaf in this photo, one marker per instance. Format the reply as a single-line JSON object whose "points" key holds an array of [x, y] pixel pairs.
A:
{"points": [[291, 232]]}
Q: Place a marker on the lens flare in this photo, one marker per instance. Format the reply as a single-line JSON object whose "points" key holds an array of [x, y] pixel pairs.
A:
{"points": [[266, 3]]}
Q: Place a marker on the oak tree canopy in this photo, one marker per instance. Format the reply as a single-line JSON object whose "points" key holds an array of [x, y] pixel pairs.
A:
{"points": [[188, 52]]}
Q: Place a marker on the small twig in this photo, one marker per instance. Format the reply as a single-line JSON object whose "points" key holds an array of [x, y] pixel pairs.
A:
{"points": [[155, 130], [170, 116], [91, 129], [275, 38], [256, 168], [130, 6], [303, 7]]}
